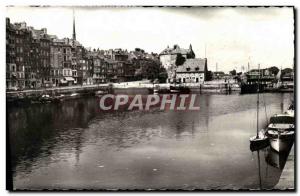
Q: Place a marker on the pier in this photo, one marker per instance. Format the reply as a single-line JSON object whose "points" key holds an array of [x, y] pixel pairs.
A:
{"points": [[287, 178]]}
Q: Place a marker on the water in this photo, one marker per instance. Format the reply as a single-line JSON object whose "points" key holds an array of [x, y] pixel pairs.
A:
{"points": [[73, 145]]}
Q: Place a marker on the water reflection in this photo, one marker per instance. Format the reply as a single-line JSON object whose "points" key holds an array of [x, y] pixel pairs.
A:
{"points": [[276, 159], [73, 145]]}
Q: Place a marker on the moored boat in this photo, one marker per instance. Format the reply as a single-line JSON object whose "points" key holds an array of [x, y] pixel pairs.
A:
{"points": [[45, 98], [281, 131], [59, 98], [260, 140], [179, 89]]}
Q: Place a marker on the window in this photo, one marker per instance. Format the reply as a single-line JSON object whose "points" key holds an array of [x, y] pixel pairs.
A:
{"points": [[197, 80], [197, 68], [183, 80], [188, 69]]}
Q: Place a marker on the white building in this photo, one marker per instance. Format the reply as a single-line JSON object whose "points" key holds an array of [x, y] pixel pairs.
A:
{"points": [[192, 71]]}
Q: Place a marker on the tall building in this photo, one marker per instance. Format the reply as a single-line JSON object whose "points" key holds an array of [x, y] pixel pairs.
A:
{"points": [[170, 58], [11, 71], [56, 61], [18, 39], [40, 57]]}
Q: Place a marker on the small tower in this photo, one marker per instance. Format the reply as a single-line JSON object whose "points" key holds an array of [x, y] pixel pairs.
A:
{"points": [[191, 54]]}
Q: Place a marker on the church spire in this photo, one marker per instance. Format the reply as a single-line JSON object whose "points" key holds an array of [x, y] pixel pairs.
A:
{"points": [[74, 31]]}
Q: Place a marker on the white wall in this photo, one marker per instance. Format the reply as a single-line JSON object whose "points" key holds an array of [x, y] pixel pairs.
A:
{"points": [[190, 77]]}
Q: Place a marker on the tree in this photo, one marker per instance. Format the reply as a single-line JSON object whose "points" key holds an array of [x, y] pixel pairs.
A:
{"points": [[233, 72], [274, 70], [147, 68], [179, 60], [209, 76], [287, 70], [163, 75]]}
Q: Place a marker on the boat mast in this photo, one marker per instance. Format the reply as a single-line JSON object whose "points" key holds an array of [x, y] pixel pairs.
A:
{"points": [[257, 102]]}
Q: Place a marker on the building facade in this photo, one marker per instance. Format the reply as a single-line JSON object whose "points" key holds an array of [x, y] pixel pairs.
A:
{"points": [[170, 58], [192, 71]]}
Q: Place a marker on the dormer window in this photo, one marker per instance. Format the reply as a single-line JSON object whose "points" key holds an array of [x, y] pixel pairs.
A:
{"points": [[197, 68], [188, 69]]}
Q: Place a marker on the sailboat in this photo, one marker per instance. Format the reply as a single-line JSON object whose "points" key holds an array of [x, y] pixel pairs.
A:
{"points": [[260, 140]]}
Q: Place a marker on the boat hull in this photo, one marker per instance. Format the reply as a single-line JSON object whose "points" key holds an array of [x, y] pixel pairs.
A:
{"points": [[281, 144], [259, 142]]}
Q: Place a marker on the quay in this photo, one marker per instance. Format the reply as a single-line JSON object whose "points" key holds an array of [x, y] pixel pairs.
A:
{"points": [[215, 86], [287, 178], [67, 89]]}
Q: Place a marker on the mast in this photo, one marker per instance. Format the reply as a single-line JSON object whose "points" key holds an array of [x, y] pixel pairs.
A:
{"points": [[259, 173], [257, 103]]}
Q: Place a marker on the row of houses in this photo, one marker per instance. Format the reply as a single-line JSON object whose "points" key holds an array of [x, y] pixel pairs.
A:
{"points": [[36, 59]]}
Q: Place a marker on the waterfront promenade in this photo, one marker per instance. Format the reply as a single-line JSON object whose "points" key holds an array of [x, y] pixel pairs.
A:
{"points": [[207, 86]]}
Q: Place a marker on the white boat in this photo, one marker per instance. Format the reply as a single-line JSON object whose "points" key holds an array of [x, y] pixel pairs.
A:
{"points": [[74, 95], [281, 131]]}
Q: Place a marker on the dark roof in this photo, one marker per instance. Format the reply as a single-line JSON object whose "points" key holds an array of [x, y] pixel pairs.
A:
{"points": [[175, 50], [218, 72], [192, 65]]}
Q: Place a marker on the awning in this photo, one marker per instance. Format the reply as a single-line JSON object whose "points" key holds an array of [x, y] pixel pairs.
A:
{"points": [[63, 81], [69, 79]]}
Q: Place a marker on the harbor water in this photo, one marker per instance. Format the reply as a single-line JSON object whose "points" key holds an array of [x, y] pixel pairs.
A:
{"points": [[73, 145]]}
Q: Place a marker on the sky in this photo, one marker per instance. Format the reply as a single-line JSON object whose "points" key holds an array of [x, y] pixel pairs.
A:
{"points": [[228, 37]]}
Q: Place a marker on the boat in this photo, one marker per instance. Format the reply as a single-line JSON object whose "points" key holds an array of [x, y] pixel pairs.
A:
{"points": [[247, 88], [59, 98], [286, 87], [281, 132], [260, 140], [179, 89], [45, 98], [99, 92], [73, 96]]}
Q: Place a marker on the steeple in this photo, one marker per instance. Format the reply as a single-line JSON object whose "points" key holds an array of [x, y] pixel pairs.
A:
{"points": [[191, 54], [74, 31]]}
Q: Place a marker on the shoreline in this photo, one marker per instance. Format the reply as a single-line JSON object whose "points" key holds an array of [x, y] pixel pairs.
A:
{"points": [[287, 178]]}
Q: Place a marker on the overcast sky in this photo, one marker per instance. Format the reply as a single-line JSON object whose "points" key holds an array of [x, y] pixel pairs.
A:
{"points": [[233, 36]]}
